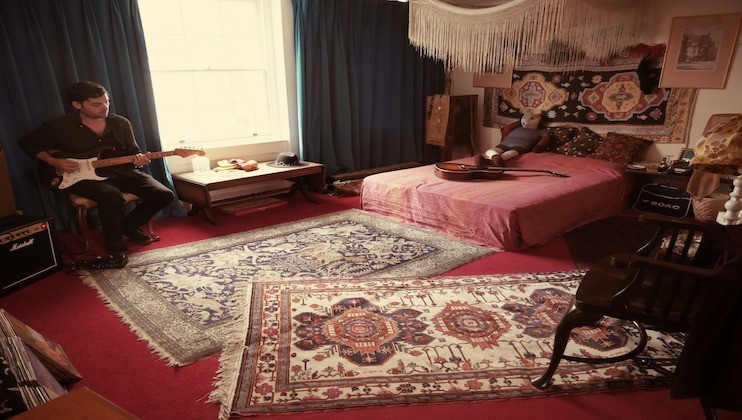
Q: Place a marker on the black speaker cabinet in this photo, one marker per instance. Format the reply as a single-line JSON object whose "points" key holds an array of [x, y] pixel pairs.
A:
{"points": [[27, 250]]}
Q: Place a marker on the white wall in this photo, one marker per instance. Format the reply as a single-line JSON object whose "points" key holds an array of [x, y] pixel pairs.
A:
{"points": [[655, 30]]}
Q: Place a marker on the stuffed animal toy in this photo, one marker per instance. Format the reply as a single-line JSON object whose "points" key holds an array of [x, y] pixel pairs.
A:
{"points": [[517, 138]]}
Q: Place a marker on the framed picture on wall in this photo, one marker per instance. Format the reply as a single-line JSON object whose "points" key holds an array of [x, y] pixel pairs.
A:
{"points": [[502, 79], [684, 157], [699, 52]]}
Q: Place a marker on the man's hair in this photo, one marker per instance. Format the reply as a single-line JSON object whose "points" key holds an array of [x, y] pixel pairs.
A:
{"points": [[81, 91]]}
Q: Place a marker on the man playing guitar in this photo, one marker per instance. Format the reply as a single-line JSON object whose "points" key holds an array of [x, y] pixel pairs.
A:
{"points": [[89, 131]]}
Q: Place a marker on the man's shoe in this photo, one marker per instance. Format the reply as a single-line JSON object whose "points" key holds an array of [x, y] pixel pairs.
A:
{"points": [[136, 235]]}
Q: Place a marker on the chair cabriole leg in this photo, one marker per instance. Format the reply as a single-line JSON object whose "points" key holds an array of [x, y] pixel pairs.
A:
{"points": [[572, 319]]}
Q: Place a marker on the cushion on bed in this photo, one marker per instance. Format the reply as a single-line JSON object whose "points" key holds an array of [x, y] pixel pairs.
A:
{"points": [[560, 136], [620, 148], [583, 144]]}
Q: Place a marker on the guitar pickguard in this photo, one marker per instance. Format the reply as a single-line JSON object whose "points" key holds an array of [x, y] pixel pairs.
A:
{"points": [[85, 171]]}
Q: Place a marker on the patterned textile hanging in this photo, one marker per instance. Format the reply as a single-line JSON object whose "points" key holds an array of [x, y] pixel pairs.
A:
{"points": [[486, 40]]}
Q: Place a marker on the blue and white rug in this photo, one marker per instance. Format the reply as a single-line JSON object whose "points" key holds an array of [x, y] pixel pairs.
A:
{"points": [[183, 299]]}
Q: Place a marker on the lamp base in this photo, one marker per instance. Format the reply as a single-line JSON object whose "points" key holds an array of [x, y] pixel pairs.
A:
{"points": [[733, 215]]}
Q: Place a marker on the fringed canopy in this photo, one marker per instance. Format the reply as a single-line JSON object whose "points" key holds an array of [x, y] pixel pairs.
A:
{"points": [[485, 40]]}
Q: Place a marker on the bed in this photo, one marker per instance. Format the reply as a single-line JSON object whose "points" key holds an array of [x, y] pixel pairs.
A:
{"points": [[516, 211]]}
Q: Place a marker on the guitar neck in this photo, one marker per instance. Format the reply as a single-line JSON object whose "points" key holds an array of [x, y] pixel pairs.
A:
{"points": [[102, 163], [525, 170], [503, 168]]}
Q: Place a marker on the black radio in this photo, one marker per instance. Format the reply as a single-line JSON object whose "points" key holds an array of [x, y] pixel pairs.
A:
{"points": [[27, 250]]}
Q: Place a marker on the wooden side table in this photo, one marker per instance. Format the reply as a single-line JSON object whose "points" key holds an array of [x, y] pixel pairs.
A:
{"points": [[80, 403], [197, 188], [644, 177]]}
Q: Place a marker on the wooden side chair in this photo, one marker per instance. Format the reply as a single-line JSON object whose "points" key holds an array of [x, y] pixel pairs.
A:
{"points": [[682, 241], [81, 205], [661, 287]]}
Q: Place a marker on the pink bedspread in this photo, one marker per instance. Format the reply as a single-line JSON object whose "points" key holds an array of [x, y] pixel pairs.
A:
{"points": [[518, 210]]}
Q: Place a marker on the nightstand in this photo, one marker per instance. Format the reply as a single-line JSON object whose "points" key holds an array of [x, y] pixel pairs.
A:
{"points": [[644, 177]]}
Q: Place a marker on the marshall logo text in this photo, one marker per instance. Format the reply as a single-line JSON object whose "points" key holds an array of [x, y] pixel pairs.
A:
{"points": [[18, 245]]}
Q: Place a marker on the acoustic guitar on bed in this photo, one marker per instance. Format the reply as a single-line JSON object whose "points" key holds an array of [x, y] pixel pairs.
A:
{"points": [[54, 179], [463, 172]]}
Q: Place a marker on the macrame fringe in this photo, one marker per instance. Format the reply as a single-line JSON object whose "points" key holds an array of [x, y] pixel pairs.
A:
{"points": [[488, 40]]}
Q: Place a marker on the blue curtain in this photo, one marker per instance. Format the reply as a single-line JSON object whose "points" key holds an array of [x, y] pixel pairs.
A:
{"points": [[46, 45], [361, 85]]}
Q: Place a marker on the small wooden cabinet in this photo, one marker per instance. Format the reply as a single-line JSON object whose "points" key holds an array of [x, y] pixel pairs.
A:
{"points": [[644, 177], [450, 122]]}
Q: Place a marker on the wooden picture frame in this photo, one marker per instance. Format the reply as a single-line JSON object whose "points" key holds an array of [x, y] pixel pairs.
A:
{"points": [[502, 79], [699, 52], [685, 155]]}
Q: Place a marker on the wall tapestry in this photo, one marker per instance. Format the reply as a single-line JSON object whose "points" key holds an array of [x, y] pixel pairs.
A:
{"points": [[603, 99]]}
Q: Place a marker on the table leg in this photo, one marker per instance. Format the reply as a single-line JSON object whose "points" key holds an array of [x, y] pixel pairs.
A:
{"points": [[300, 185], [208, 214]]}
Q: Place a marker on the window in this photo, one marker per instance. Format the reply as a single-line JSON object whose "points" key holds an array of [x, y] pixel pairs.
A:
{"points": [[217, 71]]}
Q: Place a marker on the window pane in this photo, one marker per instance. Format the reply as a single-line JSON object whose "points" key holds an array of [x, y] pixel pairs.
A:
{"points": [[212, 64]]}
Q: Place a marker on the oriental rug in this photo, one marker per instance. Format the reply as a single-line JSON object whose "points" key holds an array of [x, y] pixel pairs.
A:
{"points": [[309, 345], [183, 299]]}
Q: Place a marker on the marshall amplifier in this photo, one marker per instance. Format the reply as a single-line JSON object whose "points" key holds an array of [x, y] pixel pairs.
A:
{"points": [[27, 250]]}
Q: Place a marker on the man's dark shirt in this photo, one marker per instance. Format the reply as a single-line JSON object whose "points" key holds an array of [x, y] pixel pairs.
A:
{"points": [[68, 135]]}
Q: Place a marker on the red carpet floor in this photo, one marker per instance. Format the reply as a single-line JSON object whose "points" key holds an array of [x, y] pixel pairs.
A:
{"points": [[120, 367]]}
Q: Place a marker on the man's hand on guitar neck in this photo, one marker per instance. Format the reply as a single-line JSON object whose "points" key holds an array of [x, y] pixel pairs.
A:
{"points": [[141, 160]]}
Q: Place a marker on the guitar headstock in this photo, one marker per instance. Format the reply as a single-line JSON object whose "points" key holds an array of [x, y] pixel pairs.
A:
{"points": [[188, 151]]}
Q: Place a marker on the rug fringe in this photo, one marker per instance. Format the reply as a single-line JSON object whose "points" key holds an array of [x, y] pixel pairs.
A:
{"points": [[228, 372], [88, 279]]}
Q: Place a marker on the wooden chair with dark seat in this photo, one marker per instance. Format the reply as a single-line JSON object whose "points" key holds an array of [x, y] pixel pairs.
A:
{"points": [[660, 287], [81, 206]]}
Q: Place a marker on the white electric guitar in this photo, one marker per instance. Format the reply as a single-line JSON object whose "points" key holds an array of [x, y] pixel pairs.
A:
{"points": [[55, 179]]}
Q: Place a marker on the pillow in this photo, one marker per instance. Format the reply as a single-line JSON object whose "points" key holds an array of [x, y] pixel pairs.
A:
{"points": [[620, 148], [583, 144], [559, 136]]}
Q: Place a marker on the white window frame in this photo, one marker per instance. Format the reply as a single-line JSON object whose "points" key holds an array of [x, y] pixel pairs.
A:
{"points": [[278, 44]]}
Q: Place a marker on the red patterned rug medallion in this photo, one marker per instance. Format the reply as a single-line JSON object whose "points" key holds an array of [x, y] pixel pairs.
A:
{"points": [[311, 344]]}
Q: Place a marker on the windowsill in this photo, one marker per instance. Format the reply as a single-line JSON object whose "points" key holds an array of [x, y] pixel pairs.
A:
{"points": [[260, 151]]}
